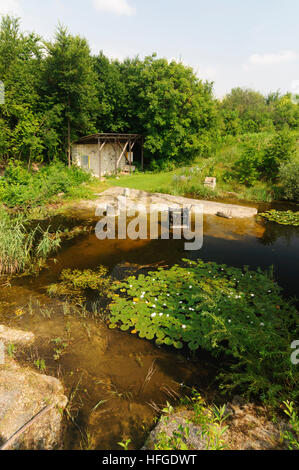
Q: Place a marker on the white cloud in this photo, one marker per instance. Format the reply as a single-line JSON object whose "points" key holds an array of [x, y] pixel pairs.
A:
{"points": [[283, 57], [119, 7], [10, 7]]}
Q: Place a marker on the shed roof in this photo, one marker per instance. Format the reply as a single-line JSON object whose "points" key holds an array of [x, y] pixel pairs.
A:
{"points": [[108, 137]]}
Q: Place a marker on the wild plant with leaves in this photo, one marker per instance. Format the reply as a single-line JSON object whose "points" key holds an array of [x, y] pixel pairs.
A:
{"points": [[282, 217], [209, 419], [227, 311], [23, 247], [75, 284]]}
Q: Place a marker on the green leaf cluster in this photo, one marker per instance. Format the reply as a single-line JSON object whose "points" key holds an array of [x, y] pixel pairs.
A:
{"points": [[221, 309]]}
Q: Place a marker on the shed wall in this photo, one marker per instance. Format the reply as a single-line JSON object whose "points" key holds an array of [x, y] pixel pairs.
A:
{"points": [[109, 153]]}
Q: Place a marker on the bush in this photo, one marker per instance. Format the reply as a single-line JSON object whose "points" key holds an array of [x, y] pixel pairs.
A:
{"points": [[281, 149], [289, 180], [19, 187], [224, 310], [261, 158], [247, 169]]}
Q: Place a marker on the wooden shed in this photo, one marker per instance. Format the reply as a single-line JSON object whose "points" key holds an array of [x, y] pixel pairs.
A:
{"points": [[106, 154]]}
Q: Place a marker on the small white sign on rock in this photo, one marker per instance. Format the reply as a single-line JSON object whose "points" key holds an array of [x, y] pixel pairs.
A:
{"points": [[210, 182]]}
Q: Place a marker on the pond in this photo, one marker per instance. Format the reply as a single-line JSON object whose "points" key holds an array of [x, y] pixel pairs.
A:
{"points": [[117, 382]]}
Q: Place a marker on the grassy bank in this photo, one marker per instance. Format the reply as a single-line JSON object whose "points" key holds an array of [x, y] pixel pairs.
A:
{"points": [[223, 165]]}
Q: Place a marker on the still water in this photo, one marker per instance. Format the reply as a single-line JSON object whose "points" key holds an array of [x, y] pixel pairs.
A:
{"points": [[116, 382]]}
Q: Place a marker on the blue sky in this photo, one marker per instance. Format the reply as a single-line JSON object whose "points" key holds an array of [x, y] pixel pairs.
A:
{"points": [[248, 43]]}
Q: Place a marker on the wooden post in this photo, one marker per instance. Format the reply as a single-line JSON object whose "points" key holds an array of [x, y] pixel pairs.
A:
{"points": [[100, 159], [142, 153], [130, 157], [100, 146], [116, 162]]}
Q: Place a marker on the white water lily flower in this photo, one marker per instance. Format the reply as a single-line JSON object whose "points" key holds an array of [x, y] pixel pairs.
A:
{"points": [[190, 287], [153, 315], [154, 306], [229, 321], [161, 314], [184, 327], [262, 324], [252, 295], [167, 315]]}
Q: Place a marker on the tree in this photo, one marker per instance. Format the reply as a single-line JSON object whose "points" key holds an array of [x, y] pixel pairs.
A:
{"points": [[20, 64], [280, 150], [177, 110], [247, 106], [70, 82]]}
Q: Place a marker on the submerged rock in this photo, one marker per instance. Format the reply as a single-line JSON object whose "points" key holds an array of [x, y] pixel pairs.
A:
{"points": [[23, 394], [16, 337]]}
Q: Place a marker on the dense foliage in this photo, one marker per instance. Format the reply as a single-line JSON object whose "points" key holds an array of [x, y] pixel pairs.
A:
{"points": [[56, 91], [289, 180], [262, 158], [19, 187], [223, 310]]}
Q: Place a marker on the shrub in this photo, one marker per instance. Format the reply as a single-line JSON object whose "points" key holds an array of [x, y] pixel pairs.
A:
{"points": [[223, 310], [247, 169], [289, 180], [19, 187], [281, 148]]}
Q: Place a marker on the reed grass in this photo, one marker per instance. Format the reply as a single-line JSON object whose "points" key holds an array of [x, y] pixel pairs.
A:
{"points": [[23, 247]]}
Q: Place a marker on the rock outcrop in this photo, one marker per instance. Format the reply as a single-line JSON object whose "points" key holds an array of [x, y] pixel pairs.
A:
{"points": [[248, 428], [23, 394]]}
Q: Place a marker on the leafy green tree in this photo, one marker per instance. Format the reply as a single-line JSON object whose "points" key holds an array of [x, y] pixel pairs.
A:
{"points": [[280, 150], [177, 110], [20, 63], [247, 106], [284, 110], [69, 82], [112, 94]]}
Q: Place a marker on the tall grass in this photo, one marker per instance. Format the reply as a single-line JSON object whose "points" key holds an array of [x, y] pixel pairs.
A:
{"points": [[22, 247]]}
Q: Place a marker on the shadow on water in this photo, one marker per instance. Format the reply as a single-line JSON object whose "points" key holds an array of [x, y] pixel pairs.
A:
{"points": [[106, 372]]}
